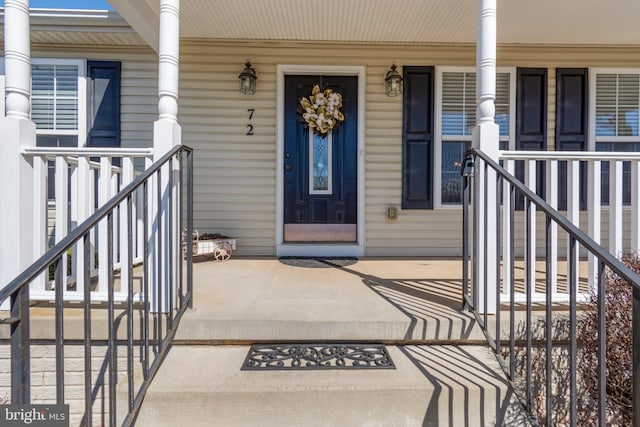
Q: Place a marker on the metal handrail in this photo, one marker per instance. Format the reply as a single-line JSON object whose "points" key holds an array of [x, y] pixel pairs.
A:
{"points": [[18, 289], [574, 236]]}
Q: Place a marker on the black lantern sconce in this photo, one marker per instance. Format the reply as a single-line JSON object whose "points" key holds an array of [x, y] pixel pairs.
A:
{"points": [[393, 82], [248, 79]]}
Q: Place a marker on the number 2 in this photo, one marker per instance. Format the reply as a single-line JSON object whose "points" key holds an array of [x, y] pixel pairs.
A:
{"points": [[250, 130]]}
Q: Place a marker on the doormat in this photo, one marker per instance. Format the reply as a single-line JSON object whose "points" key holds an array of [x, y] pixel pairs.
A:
{"points": [[317, 357], [318, 262]]}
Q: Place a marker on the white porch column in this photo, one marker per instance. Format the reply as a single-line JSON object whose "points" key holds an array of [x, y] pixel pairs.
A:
{"points": [[486, 137], [166, 135], [166, 131], [16, 131]]}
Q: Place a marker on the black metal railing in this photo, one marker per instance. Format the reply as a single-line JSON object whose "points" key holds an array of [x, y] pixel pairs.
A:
{"points": [[476, 182], [166, 189]]}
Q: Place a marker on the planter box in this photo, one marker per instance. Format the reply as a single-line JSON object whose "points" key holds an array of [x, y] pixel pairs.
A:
{"points": [[220, 246]]}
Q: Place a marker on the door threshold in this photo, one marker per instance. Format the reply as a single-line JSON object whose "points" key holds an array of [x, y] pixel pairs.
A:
{"points": [[332, 249]]}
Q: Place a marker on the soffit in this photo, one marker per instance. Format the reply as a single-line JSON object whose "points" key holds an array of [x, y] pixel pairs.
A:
{"points": [[79, 27], [91, 38], [405, 21]]}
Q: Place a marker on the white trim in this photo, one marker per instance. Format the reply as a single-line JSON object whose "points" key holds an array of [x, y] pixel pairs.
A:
{"points": [[438, 138], [329, 189], [512, 105], [304, 249], [2, 88]]}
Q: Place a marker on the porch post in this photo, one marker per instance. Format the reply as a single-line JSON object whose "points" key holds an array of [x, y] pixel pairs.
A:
{"points": [[486, 136], [16, 131], [166, 135]]}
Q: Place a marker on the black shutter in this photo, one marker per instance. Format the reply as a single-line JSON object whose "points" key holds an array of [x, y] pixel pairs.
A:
{"points": [[417, 138], [104, 103], [531, 119], [572, 103]]}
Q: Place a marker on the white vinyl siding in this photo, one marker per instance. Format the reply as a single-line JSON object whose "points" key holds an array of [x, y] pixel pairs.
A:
{"points": [[235, 174]]}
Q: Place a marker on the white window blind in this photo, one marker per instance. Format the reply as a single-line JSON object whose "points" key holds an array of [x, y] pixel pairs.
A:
{"points": [[54, 97], [617, 104], [503, 106], [459, 103]]}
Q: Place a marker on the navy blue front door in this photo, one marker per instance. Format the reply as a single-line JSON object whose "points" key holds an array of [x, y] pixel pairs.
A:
{"points": [[320, 206]]}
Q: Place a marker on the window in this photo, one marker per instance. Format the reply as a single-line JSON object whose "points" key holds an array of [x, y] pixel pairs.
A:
{"points": [[456, 121], [57, 92], [617, 121]]}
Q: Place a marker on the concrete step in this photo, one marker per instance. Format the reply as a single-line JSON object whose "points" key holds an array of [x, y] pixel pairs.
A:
{"points": [[431, 386], [332, 299]]}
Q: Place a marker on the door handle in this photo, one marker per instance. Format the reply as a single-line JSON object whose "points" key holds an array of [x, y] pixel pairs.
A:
{"points": [[287, 167]]}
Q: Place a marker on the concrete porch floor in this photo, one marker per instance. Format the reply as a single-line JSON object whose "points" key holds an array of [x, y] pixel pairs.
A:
{"points": [[246, 299]]}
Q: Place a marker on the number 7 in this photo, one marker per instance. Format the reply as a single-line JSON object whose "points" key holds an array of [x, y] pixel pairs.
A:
{"points": [[251, 111]]}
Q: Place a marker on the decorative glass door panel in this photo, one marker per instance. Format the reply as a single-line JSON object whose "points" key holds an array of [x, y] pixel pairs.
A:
{"points": [[320, 163]]}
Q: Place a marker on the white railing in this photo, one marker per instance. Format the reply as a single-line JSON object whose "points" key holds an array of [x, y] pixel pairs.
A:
{"points": [[83, 179], [583, 170]]}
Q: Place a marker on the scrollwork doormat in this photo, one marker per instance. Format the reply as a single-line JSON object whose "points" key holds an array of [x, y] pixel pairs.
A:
{"points": [[317, 356]]}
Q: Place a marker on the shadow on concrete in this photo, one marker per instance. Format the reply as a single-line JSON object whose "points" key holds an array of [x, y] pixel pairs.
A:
{"points": [[433, 305], [468, 391]]}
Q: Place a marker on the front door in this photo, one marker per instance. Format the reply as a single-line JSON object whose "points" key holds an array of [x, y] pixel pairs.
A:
{"points": [[320, 171]]}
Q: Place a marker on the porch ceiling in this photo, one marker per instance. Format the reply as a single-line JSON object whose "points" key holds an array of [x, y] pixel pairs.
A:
{"points": [[396, 21]]}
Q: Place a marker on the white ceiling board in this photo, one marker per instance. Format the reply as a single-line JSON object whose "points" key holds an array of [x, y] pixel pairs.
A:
{"points": [[403, 21]]}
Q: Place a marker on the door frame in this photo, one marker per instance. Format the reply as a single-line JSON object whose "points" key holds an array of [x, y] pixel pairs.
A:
{"points": [[313, 248]]}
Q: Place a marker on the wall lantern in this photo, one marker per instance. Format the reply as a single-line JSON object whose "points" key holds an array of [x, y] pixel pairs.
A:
{"points": [[393, 82], [248, 79]]}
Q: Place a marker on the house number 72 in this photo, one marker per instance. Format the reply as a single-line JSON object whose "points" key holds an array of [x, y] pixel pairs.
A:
{"points": [[250, 126]]}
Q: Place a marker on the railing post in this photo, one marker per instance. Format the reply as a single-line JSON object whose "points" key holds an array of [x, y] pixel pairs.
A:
{"points": [[530, 180], [40, 228], [573, 209], [16, 131], [126, 234], [62, 209], [552, 199], [615, 207], [167, 133], [507, 232], [104, 194], [595, 209], [486, 137], [467, 174]]}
